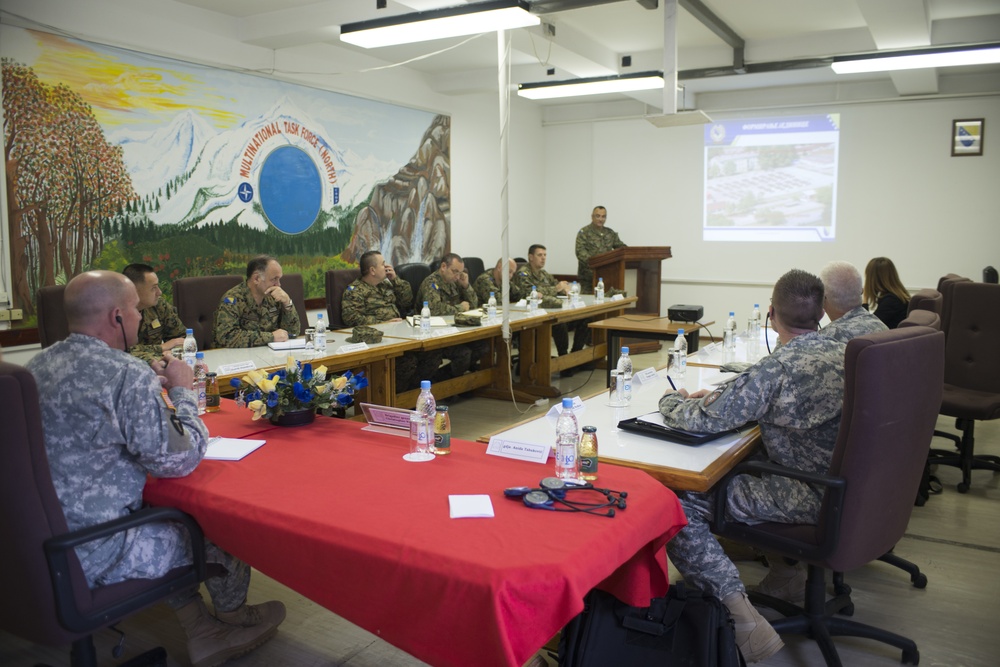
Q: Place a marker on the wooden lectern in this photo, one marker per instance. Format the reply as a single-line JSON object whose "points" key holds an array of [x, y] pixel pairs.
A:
{"points": [[646, 260]]}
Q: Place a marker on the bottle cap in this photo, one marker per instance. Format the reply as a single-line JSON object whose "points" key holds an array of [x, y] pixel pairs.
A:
{"points": [[189, 331], [199, 355], [319, 316], [567, 403], [425, 303], [590, 429], [731, 313], [680, 332], [425, 384], [442, 408], [212, 374], [492, 294], [625, 349]]}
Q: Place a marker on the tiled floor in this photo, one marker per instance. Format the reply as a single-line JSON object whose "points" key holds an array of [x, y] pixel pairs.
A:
{"points": [[954, 538]]}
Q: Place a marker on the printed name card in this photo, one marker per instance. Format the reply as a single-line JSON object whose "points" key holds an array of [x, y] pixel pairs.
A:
{"points": [[236, 368], [618, 297], [353, 347], [390, 417], [522, 451], [645, 376]]}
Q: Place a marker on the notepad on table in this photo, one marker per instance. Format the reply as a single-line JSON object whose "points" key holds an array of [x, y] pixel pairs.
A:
{"points": [[291, 344], [230, 449]]}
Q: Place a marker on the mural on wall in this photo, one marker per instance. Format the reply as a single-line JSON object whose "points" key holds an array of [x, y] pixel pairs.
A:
{"points": [[114, 157]]}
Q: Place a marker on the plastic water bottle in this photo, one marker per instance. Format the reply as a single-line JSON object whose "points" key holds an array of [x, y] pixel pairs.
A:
{"points": [[319, 341], [679, 362], [533, 301], [574, 293], [625, 369], [729, 339], [753, 333], [200, 376], [190, 348], [755, 322], [491, 308], [599, 291], [567, 442], [425, 320], [427, 409]]}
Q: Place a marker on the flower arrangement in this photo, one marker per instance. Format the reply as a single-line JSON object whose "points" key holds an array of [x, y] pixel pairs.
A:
{"points": [[295, 387]]}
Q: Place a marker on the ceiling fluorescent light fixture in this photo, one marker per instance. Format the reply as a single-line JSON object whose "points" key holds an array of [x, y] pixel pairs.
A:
{"points": [[982, 54], [470, 19], [597, 85]]}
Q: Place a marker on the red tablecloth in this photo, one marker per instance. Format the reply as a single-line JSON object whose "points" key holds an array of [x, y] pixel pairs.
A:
{"points": [[336, 514]]}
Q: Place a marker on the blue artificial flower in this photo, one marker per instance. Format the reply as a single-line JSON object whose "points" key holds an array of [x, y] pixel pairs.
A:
{"points": [[301, 393], [307, 372], [272, 399], [235, 382], [344, 399], [281, 373]]}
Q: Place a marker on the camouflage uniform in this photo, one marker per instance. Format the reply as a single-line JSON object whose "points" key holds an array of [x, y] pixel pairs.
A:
{"points": [[366, 304], [159, 324], [240, 322], [485, 284], [593, 240], [371, 304], [795, 395], [855, 322], [545, 283], [443, 298], [106, 428]]}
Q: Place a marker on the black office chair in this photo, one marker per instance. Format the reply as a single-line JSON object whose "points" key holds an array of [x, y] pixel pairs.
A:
{"points": [[336, 283], [414, 273], [52, 324], [45, 598], [972, 374], [294, 286], [473, 266], [196, 299], [891, 388]]}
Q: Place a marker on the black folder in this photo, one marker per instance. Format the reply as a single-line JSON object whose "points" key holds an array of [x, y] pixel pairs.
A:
{"points": [[663, 432]]}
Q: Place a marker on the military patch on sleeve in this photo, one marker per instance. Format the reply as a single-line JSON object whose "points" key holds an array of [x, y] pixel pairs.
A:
{"points": [[715, 395], [350, 288], [435, 286], [229, 301]]}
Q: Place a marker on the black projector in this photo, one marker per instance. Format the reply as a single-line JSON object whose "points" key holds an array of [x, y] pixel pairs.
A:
{"points": [[682, 312]]}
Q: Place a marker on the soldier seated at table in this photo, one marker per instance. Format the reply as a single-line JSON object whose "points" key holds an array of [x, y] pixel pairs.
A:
{"points": [[533, 274], [447, 291], [377, 296], [257, 311], [795, 394], [492, 281], [160, 328]]}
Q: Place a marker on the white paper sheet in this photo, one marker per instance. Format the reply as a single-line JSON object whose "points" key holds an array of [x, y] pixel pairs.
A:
{"points": [[230, 449], [470, 507]]}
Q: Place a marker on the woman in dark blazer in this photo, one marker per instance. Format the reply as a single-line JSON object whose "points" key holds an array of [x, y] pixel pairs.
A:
{"points": [[884, 293]]}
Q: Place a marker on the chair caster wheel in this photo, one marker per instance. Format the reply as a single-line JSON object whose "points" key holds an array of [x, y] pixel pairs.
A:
{"points": [[963, 487], [911, 657], [849, 611], [919, 580]]}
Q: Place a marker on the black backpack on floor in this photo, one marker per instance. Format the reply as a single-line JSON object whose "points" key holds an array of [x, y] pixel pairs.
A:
{"points": [[686, 627]]}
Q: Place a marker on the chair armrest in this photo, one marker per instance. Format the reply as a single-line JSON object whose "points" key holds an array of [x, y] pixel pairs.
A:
{"points": [[59, 548], [833, 501]]}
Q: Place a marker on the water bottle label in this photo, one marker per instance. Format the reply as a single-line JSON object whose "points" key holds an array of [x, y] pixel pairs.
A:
{"points": [[628, 387]]}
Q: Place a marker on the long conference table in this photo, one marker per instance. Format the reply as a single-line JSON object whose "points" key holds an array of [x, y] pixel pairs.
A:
{"points": [[333, 511], [492, 380]]}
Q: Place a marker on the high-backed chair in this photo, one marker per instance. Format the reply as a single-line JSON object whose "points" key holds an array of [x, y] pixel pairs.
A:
{"points": [[337, 281], [925, 299], [473, 266], [414, 273], [45, 595], [196, 300], [294, 286], [891, 388], [922, 318], [52, 325], [945, 286], [972, 374]]}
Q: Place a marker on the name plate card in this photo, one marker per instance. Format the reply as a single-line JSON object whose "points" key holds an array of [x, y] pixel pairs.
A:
{"points": [[522, 451], [353, 347], [391, 417], [618, 297], [236, 368], [645, 376]]}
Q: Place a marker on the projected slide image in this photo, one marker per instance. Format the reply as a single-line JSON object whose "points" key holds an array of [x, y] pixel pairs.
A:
{"points": [[771, 179]]}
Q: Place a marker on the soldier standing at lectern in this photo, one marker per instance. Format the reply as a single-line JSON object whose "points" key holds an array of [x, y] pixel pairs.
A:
{"points": [[594, 239]]}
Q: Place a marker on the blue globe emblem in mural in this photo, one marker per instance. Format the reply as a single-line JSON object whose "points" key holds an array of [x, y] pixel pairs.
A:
{"points": [[245, 192], [291, 189]]}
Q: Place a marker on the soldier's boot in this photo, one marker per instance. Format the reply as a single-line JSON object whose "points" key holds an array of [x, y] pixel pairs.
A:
{"points": [[249, 615], [211, 642], [755, 637], [783, 581]]}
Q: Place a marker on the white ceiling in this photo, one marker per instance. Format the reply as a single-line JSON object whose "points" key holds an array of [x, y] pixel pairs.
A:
{"points": [[590, 41]]}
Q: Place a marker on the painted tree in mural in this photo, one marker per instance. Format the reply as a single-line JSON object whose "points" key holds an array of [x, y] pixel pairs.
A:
{"points": [[63, 180]]}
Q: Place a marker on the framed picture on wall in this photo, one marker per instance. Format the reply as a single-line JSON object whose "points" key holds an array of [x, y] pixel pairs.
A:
{"points": [[967, 137]]}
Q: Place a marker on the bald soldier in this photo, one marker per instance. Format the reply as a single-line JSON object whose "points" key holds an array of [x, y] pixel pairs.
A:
{"points": [[257, 311], [379, 295], [107, 427], [492, 281]]}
